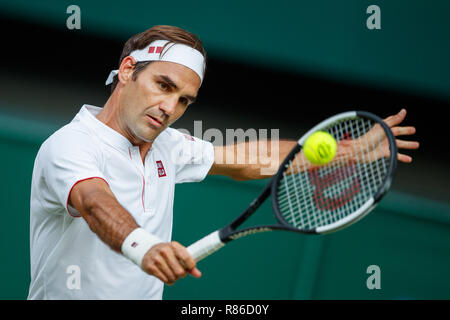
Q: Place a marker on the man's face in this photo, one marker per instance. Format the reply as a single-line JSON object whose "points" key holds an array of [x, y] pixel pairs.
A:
{"points": [[156, 99]]}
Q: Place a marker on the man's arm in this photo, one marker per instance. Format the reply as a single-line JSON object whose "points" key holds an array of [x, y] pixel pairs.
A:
{"points": [[261, 159], [112, 223], [250, 160]]}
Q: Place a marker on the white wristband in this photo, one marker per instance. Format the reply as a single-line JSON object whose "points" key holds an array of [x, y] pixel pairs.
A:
{"points": [[137, 243]]}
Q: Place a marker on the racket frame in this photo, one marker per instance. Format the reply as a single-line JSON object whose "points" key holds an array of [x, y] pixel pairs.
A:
{"points": [[370, 203]]}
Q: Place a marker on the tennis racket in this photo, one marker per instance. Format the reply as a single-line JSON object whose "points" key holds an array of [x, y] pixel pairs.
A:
{"points": [[313, 199]]}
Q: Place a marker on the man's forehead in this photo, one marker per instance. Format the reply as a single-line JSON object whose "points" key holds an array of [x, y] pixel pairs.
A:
{"points": [[177, 76], [176, 72]]}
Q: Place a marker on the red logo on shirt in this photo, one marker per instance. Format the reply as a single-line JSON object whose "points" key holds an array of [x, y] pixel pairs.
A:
{"points": [[161, 171]]}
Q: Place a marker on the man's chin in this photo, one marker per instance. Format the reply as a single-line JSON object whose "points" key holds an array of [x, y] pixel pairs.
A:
{"points": [[151, 136]]}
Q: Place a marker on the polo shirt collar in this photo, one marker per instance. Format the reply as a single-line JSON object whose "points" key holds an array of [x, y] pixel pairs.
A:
{"points": [[88, 114]]}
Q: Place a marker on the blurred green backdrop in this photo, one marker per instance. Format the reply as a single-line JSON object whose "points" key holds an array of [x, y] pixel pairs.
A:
{"points": [[406, 236], [324, 37]]}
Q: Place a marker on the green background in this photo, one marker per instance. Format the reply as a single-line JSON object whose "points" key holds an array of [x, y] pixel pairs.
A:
{"points": [[407, 235], [322, 37]]}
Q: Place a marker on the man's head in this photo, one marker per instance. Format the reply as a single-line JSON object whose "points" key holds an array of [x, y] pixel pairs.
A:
{"points": [[151, 95]]}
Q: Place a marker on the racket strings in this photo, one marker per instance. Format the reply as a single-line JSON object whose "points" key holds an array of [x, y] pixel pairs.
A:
{"points": [[321, 195]]}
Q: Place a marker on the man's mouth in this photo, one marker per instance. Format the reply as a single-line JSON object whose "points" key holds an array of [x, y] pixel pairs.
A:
{"points": [[155, 121]]}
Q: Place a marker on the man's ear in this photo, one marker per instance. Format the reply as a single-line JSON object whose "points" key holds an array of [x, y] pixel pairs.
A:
{"points": [[126, 69]]}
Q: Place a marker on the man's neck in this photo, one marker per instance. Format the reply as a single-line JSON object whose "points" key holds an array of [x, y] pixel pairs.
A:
{"points": [[109, 116]]}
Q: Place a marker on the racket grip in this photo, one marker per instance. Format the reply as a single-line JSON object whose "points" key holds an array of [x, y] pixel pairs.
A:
{"points": [[205, 246]]}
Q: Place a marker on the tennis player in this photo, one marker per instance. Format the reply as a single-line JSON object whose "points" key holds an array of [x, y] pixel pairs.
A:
{"points": [[103, 185]]}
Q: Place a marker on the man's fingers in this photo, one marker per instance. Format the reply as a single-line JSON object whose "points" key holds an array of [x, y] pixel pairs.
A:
{"points": [[162, 265], [393, 122], [395, 119], [403, 131], [404, 158], [170, 262], [185, 258], [195, 273], [403, 144], [157, 273], [169, 253]]}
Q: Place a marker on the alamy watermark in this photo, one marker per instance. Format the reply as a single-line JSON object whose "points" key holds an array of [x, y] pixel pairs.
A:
{"points": [[73, 281], [374, 280], [374, 20], [74, 20]]}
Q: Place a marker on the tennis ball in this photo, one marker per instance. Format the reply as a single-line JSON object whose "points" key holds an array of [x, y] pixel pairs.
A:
{"points": [[320, 147]]}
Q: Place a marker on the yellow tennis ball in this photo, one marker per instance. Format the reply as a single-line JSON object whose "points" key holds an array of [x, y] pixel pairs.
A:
{"points": [[320, 147]]}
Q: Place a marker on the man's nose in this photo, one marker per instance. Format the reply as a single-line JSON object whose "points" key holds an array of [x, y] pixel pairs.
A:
{"points": [[169, 105]]}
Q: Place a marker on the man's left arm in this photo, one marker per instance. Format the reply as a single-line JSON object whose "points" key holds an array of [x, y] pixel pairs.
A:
{"points": [[251, 160], [261, 159]]}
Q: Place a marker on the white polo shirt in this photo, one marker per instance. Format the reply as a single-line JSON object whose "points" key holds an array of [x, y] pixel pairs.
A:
{"points": [[68, 260]]}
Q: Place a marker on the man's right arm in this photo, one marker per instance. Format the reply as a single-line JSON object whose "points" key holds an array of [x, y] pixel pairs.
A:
{"points": [[112, 223]]}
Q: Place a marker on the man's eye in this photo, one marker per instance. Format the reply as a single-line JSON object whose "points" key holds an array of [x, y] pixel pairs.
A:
{"points": [[184, 101], [163, 86]]}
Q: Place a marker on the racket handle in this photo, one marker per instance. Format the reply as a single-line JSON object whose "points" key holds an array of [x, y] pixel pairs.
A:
{"points": [[205, 246]]}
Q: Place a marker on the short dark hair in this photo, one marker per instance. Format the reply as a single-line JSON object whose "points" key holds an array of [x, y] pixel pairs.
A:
{"points": [[162, 32]]}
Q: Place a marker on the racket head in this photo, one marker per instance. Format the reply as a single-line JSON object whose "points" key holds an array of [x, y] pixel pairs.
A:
{"points": [[329, 197]]}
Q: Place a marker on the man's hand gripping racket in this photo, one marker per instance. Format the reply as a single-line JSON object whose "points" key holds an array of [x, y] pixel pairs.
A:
{"points": [[318, 199]]}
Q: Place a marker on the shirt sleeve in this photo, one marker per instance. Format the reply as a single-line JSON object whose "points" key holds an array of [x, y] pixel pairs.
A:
{"points": [[193, 157], [69, 157]]}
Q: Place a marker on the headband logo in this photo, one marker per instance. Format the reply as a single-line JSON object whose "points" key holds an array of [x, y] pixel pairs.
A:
{"points": [[152, 49]]}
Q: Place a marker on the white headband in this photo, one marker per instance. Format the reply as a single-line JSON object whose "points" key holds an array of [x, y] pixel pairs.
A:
{"points": [[178, 53]]}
